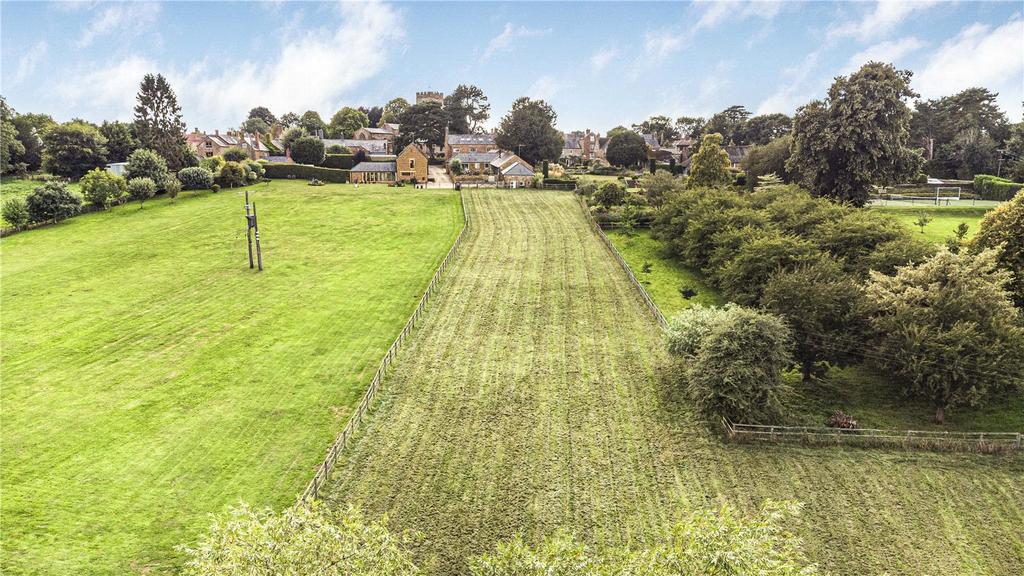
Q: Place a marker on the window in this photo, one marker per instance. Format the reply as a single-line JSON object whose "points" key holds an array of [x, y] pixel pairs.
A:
{"points": [[412, 162]]}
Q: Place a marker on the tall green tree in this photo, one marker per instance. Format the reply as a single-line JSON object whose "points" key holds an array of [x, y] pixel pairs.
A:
{"points": [[346, 121], [764, 128], [1003, 229], [255, 126], [709, 167], [158, 122], [766, 159], [858, 136], [263, 113], [121, 141], [422, 123], [289, 119], [823, 306], [626, 148], [393, 110], [10, 146], [529, 130], [312, 123], [729, 123], [74, 148], [690, 126], [662, 127], [946, 329], [467, 109], [373, 114]]}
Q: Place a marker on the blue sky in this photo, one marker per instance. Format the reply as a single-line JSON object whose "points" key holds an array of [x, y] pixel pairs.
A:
{"points": [[599, 63]]}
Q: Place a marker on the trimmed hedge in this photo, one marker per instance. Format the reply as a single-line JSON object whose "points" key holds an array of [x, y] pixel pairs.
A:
{"points": [[339, 161], [305, 172], [990, 187]]}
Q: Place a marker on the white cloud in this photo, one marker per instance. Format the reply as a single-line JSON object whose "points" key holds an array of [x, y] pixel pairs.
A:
{"points": [[28, 61], [306, 73], [544, 88], [889, 51], [120, 18], [883, 19], [662, 44], [978, 56], [717, 12], [600, 59], [503, 41]]}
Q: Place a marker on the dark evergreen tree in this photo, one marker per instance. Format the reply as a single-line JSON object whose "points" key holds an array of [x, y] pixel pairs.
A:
{"points": [[158, 123]]}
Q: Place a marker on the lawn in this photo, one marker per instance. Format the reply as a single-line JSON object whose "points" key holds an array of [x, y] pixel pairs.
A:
{"points": [[15, 187], [535, 397], [667, 277], [944, 219], [151, 378]]}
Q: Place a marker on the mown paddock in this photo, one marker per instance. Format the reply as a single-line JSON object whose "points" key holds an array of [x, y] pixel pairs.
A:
{"points": [[150, 378], [530, 400]]}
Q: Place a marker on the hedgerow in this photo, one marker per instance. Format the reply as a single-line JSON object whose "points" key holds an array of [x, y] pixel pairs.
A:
{"points": [[305, 172]]}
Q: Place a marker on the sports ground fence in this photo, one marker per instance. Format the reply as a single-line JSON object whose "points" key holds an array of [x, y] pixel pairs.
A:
{"points": [[323, 471]]}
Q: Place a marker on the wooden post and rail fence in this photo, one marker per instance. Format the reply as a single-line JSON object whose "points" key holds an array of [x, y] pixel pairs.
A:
{"points": [[323, 471]]}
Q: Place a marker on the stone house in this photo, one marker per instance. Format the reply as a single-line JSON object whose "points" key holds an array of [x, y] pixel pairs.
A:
{"points": [[412, 164], [386, 131], [372, 172], [572, 149], [475, 162], [455, 144]]}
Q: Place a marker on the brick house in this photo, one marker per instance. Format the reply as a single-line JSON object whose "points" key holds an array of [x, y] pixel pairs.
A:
{"points": [[209, 145], [455, 144]]}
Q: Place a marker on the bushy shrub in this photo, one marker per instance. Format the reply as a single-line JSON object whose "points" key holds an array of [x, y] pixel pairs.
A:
{"points": [[233, 174], [195, 178], [144, 163], [455, 166], [991, 187], [610, 194], [235, 154], [141, 189], [1004, 228], [338, 149], [737, 369], [15, 211], [742, 279], [305, 172], [308, 150], [52, 202], [215, 188], [171, 186], [254, 171], [102, 188], [587, 190], [74, 148], [213, 164], [688, 328]]}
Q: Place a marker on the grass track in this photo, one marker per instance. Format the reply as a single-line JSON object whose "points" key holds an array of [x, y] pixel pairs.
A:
{"points": [[529, 401], [149, 377]]}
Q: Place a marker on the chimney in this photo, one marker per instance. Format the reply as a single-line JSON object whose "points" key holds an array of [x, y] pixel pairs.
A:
{"points": [[216, 132]]}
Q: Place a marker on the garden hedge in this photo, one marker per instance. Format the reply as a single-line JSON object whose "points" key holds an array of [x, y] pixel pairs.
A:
{"points": [[305, 172], [339, 161], [989, 187]]}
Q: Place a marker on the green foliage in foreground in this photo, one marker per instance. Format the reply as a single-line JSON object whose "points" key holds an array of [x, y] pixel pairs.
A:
{"points": [[150, 378], [723, 543], [1004, 228], [301, 540]]}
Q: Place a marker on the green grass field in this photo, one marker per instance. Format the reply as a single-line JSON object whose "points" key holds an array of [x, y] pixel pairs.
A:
{"points": [[150, 378], [666, 277], [14, 187], [944, 219], [532, 399]]}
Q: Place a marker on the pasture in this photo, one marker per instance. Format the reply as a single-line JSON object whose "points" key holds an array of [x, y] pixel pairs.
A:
{"points": [[531, 399], [150, 378], [944, 219]]}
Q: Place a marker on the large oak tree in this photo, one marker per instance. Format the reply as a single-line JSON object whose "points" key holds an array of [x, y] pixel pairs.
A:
{"points": [[529, 130]]}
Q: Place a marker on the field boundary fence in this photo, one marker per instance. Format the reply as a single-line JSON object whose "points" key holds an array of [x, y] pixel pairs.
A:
{"points": [[325, 468], [936, 440], [625, 266]]}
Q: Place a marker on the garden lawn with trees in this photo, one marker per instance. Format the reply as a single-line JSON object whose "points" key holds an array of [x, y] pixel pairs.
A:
{"points": [[20, 188], [151, 378], [537, 396], [941, 221]]}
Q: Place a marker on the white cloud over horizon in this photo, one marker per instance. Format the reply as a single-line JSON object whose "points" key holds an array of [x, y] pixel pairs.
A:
{"points": [[891, 51], [505, 40], [886, 16], [120, 18], [305, 74]]}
